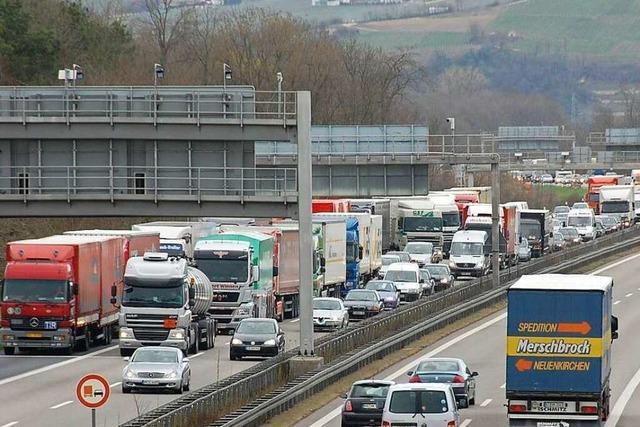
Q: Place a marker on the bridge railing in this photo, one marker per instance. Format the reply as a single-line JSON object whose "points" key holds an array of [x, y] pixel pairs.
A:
{"points": [[125, 182]]}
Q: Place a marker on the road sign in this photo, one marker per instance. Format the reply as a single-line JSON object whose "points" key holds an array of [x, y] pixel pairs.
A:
{"points": [[93, 390]]}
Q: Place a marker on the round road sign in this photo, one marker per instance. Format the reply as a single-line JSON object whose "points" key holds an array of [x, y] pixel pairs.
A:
{"points": [[93, 390]]}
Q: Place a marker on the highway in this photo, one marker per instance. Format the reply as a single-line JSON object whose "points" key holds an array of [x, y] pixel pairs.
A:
{"points": [[482, 346], [48, 383]]}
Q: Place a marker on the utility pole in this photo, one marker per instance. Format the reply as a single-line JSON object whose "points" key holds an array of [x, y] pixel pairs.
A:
{"points": [[495, 221]]}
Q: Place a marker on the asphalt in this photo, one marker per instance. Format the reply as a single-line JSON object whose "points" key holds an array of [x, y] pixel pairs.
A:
{"points": [[482, 346], [39, 390]]}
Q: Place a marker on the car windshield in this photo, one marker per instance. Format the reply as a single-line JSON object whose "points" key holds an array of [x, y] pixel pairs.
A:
{"points": [[402, 255], [380, 286], [388, 260], [419, 248], [437, 270], [401, 276], [360, 296], [422, 223], [35, 290], [326, 304], [154, 356], [369, 391], [234, 270], [569, 233], [418, 402], [561, 209], [580, 221], [140, 296], [466, 248], [256, 327], [615, 207], [438, 366], [580, 206]]}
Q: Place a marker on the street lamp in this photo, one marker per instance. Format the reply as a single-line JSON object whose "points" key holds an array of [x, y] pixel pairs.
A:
{"points": [[158, 74], [78, 73], [226, 75], [279, 78], [452, 126]]}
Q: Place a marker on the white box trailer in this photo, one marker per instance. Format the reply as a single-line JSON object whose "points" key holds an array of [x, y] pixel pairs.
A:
{"points": [[618, 201], [375, 239], [178, 238]]}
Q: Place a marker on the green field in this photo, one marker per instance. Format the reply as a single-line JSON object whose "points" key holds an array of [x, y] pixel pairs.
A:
{"points": [[413, 40]]}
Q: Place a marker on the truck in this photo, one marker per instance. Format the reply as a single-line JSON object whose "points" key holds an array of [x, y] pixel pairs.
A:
{"points": [[329, 205], [584, 220], [511, 230], [618, 201], [417, 220], [485, 224], [464, 198], [470, 254], [592, 196], [286, 265], [165, 302], [57, 292], [375, 245], [136, 243], [535, 226], [484, 193], [330, 259], [377, 207], [445, 202], [240, 268], [560, 329], [177, 238]]}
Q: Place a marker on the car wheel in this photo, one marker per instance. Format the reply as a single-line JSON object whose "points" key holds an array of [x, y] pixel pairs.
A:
{"points": [[178, 389], [187, 385]]}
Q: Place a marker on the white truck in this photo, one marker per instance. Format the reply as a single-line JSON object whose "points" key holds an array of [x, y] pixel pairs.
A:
{"points": [[618, 201], [417, 220], [178, 238], [584, 220], [445, 202]]}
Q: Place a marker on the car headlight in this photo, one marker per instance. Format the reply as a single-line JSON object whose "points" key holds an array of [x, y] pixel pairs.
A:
{"points": [[129, 374], [176, 334], [452, 264], [270, 342], [236, 341], [444, 280], [172, 374], [126, 333], [244, 310]]}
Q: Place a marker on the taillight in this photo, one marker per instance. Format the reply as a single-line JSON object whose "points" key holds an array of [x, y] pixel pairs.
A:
{"points": [[589, 409], [458, 379], [415, 379], [348, 407], [517, 408], [452, 424]]}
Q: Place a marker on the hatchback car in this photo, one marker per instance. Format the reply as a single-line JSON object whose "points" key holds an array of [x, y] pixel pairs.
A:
{"points": [[364, 403], [404, 256], [441, 274], [450, 371], [256, 338], [159, 368], [329, 313], [557, 242], [363, 303], [431, 405], [388, 292], [571, 236]]}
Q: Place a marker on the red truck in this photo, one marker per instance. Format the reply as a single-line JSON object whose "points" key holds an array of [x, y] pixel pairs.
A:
{"points": [[57, 292], [330, 205], [592, 197], [136, 243]]}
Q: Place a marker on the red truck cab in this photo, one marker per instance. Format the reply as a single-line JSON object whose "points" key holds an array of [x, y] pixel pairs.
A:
{"points": [[592, 197], [330, 205]]}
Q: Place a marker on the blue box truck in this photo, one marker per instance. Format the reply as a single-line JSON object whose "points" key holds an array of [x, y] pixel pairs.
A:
{"points": [[559, 333]]}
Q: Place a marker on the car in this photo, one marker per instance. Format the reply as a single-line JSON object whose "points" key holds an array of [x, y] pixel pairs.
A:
{"points": [[441, 275], [446, 370], [404, 256], [524, 251], [608, 222], [388, 292], [600, 229], [546, 179], [387, 260], [406, 277], [329, 313], [432, 405], [571, 236], [363, 303], [580, 205], [256, 337], [420, 252], [556, 241], [364, 403], [557, 224], [159, 368], [428, 283]]}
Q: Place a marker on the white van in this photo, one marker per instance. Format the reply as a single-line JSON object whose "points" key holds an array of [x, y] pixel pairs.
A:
{"points": [[585, 221], [470, 254], [406, 277], [419, 404]]}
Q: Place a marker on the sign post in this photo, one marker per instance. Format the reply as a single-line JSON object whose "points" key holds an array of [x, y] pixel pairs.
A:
{"points": [[93, 392]]}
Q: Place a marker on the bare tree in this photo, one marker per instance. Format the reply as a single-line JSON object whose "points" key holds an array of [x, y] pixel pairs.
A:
{"points": [[168, 25], [202, 41]]}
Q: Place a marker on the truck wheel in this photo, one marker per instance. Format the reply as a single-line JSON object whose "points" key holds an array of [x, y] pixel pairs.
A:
{"points": [[9, 351]]}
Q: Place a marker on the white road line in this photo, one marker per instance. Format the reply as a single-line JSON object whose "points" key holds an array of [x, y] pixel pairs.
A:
{"points": [[295, 320], [196, 355], [466, 422], [503, 385], [60, 405], [486, 402], [54, 366], [628, 295], [12, 423], [615, 264], [616, 302], [622, 401], [115, 384]]}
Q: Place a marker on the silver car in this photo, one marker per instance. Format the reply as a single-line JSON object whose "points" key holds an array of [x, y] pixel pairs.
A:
{"points": [[444, 370], [162, 368], [329, 313]]}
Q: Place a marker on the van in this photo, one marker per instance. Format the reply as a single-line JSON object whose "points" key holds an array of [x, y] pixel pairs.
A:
{"points": [[585, 221], [406, 277], [429, 403], [470, 254]]}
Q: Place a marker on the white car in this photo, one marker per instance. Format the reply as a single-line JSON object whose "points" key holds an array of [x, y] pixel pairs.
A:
{"points": [[387, 260], [406, 277], [420, 252], [329, 313], [431, 404]]}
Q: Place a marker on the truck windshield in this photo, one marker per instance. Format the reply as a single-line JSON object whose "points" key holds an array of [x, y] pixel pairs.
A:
{"points": [[225, 269], [451, 219], [29, 290], [466, 248], [579, 221], [352, 251], [530, 228], [594, 197], [615, 207], [140, 296], [421, 223]]}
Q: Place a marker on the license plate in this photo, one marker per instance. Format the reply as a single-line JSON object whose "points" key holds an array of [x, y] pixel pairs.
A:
{"points": [[149, 382], [358, 313], [50, 325], [34, 335], [465, 273], [369, 406], [253, 348], [539, 406]]}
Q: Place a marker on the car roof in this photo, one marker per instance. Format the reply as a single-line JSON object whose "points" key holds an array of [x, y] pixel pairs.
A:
{"points": [[408, 266], [158, 348], [381, 382], [419, 386], [327, 299], [259, 319]]}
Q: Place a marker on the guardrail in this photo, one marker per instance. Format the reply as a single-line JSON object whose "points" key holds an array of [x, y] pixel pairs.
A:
{"points": [[251, 396]]}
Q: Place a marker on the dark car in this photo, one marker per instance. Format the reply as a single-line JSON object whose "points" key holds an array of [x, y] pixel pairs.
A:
{"points": [[388, 292], [446, 370], [256, 338], [571, 236], [364, 403], [428, 282], [441, 275], [362, 303]]}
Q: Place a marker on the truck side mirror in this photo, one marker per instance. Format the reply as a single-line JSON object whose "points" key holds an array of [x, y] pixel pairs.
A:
{"points": [[614, 327], [255, 273], [114, 291], [360, 252], [323, 262], [275, 271], [192, 293]]}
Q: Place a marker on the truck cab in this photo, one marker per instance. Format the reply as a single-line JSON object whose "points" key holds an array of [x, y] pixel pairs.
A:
{"points": [[418, 220], [618, 201]]}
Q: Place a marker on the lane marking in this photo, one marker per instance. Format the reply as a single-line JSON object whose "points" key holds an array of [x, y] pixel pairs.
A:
{"points": [[295, 320], [12, 423], [616, 302], [486, 402], [54, 366], [115, 384], [466, 422], [628, 295], [60, 405], [622, 401], [196, 355], [503, 385], [615, 264]]}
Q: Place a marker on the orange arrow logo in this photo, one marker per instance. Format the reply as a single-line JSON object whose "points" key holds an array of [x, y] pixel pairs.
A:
{"points": [[524, 365], [578, 328]]}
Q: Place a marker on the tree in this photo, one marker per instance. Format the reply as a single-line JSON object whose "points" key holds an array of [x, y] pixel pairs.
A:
{"points": [[168, 25]]}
